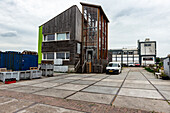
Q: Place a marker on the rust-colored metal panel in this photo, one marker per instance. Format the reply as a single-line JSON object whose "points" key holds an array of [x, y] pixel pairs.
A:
{"points": [[106, 40], [98, 34], [101, 36]]}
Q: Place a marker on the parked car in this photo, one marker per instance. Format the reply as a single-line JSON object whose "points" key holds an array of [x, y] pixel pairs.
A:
{"points": [[131, 64], [137, 64], [113, 67]]}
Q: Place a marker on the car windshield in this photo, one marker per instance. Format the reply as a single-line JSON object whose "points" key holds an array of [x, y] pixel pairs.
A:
{"points": [[112, 65]]}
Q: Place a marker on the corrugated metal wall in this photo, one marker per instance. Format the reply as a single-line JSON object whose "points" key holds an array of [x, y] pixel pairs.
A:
{"points": [[16, 61]]}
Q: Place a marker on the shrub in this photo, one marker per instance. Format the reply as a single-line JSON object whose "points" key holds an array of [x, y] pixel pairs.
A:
{"points": [[148, 69]]}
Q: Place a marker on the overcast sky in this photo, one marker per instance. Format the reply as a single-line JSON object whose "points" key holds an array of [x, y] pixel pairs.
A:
{"points": [[130, 20]]}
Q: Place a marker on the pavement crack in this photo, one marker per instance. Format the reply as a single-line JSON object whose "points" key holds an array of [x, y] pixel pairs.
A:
{"points": [[114, 98], [86, 87], [155, 87]]}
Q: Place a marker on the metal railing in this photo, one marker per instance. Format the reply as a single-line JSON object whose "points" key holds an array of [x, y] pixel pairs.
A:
{"points": [[77, 66], [83, 66]]}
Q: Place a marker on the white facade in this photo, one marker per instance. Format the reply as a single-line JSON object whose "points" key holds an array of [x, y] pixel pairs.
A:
{"points": [[148, 48], [147, 52], [167, 66]]}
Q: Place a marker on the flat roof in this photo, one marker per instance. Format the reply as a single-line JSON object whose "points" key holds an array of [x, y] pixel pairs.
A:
{"points": [[96, 6]]}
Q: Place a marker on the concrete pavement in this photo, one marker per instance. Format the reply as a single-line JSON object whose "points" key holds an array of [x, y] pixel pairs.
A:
{"points": [[134, 88]]}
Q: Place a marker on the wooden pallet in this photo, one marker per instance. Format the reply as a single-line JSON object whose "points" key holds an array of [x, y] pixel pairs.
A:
{"points": [[33, 68], [3, 70]]}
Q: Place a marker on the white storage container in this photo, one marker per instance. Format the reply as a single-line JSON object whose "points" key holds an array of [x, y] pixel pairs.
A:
{"points": [[9, 75], [61, 68], [35, 73], [24, 75], [47, 66], [47, 69], [58, 61]]}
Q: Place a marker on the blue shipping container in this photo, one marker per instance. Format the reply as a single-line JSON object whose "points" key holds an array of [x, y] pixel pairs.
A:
{"points": [[29, 61], [2, 60], [16, 61], [13, 60]]}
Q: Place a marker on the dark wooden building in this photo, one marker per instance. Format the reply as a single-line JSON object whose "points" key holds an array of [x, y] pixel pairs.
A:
{"points": [[62, 37], [77, 38]]}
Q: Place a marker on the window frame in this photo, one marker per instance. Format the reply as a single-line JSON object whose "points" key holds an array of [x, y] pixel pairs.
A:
{"points": [[64, 55], [65, 36], [56, 36], [147, 45], [55, 55], [78, 48], [44, 37], [46, 55]]}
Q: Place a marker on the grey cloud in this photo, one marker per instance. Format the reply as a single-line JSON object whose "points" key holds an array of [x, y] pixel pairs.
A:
{"points": [[125, 12], [9, 34]]}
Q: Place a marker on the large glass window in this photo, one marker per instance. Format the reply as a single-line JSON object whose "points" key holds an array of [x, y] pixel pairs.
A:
{"points": [[50, 55], [60, 55], [49, 37], [44, 56], [63, 36], [63, 55], [148, 59], [68, 36], [147, 45], [59, 36], [67, 55], [78, 48]]}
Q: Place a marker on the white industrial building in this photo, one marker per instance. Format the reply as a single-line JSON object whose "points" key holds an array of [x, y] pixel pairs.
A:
{"points": [[125, 55], [147, 52], [144, 54]]}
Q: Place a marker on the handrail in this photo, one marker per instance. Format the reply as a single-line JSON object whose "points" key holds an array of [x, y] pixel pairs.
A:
{"points": [[77, 65], [83, 66]]}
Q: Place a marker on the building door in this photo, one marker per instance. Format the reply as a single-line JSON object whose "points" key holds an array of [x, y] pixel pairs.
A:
{"points": [[89, 56]]}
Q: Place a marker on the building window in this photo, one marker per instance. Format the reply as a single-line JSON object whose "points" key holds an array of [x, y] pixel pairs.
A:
{"points": [[44, 56], [50, 37], [78, 48], [67, 55], [58, 36], [63, 36], [119, 59], [60, 55], [63, 55], [119, 53], [147, 45], [48, 56], [147, 59], [114, 53], [125, 53], [131, 53]]}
